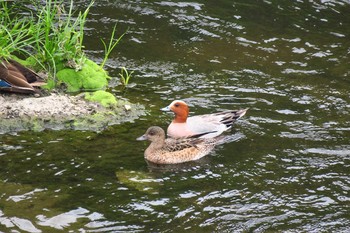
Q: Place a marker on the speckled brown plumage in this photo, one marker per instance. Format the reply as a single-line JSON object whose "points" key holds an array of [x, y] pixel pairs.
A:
{"points": [[172, 151]]}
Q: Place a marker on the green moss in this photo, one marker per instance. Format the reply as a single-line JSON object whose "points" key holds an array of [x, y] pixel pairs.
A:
{"points": [[60, 65], [105, 98], [50, 85], [71, 78], [36, 126], [90, 77]]}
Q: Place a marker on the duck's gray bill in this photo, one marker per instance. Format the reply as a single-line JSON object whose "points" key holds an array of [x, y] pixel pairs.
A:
{"points": [[142, 138]]}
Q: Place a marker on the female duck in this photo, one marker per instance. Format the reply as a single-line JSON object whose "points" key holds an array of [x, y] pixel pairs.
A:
{"points": [[208, 125], [172, 151], [14, 77]]}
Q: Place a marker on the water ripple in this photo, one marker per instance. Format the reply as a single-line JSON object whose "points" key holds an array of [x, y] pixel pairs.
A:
{"points": [[285, 168]]}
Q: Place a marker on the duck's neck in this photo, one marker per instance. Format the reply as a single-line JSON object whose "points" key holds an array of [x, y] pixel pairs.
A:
{"points": [[156, 145], [181, 117]]}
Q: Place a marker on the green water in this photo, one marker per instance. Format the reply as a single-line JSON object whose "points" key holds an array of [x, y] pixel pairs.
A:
{"points": [[287, 171]]}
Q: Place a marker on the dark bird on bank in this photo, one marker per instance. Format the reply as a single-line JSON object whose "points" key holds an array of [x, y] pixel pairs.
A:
{"points": [[17, 78]]}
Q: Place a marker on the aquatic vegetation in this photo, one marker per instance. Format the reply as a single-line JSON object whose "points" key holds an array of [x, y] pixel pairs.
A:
{"points": [[112, 43], [125, 76]]}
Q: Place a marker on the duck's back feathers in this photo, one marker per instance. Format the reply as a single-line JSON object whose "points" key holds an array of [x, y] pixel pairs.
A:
{"points": [[27, 74], [15, 77], [172, 144]]}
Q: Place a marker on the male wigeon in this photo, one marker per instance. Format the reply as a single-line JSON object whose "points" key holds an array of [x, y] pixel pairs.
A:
{"points": [[172, 151], [208, 125]]}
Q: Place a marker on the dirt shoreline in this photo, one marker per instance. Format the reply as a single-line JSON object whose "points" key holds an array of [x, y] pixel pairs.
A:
{"points": [[61, 111]]}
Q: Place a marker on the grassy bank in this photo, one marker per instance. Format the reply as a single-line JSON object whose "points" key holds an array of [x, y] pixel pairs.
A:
{"points": [[48, 37]]}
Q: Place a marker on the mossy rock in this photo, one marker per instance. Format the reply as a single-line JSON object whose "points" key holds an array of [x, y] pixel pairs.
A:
{"points": [[105, 98], [90, 77]]}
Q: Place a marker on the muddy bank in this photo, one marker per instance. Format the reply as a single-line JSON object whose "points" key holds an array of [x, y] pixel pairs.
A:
{"points": [[59, 111]]}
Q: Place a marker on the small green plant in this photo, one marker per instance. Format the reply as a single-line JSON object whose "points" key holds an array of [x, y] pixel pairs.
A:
{"points": [[112, 43], [125, 76]]}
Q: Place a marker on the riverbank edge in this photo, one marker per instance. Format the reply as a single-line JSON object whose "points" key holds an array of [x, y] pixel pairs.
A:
{"points": [[62, 112]]}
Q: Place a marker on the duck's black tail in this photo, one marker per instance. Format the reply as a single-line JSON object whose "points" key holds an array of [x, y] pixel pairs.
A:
{"points": [[231, 116]]}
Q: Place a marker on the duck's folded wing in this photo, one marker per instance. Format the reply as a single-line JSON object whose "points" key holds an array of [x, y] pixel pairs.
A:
{"points": [[13, 78], [205, 123], [215, 123], [16, 79], [29, 75], [180, 144]]}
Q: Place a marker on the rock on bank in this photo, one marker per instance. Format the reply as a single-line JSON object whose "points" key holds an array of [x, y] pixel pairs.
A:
{"points": [[58, 111]]}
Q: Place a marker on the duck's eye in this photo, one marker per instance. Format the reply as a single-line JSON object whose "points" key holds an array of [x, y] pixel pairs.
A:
{"points": [[152, 133], [177, 105]]}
